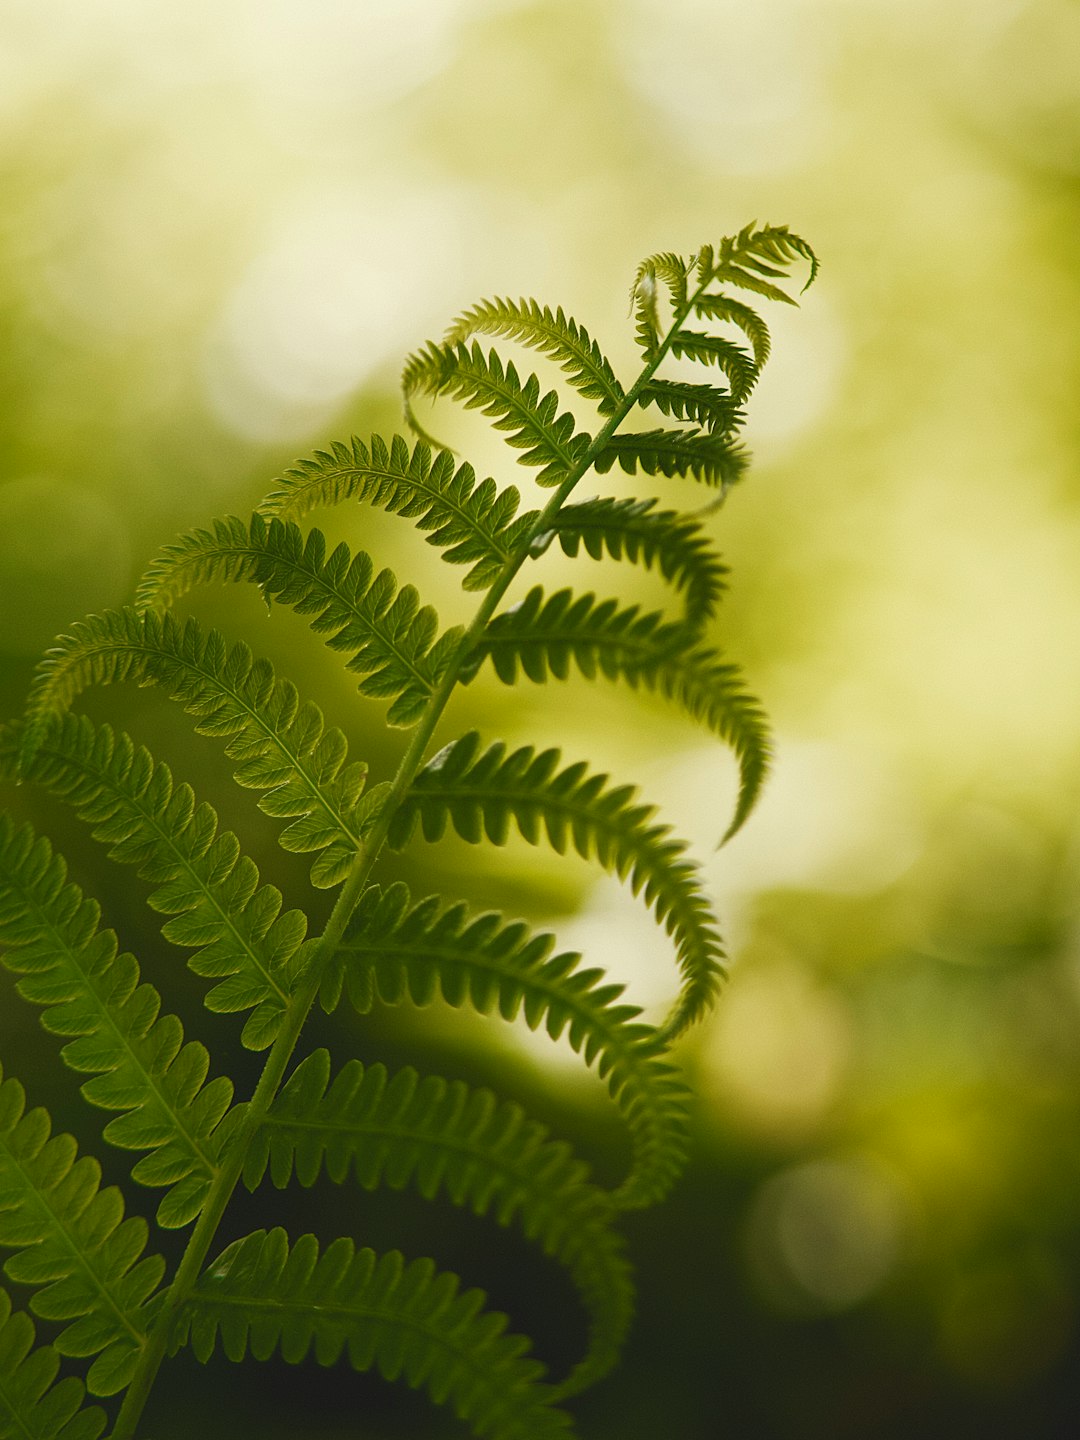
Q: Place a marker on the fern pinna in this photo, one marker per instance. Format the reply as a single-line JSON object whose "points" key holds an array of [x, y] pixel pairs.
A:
{"points": [[93, 1276]]}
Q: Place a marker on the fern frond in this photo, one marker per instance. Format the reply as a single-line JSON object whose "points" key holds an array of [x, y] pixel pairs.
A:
{"points": [[707, 406], [482, 795], [531, 422], [228, 551], [674, 271], [212, 891], [712, 306], [736, 363], [391, 637], [72, 1240], [746, 259], [750, 260], [554, 334], [51, 939], [484, 1154], [542, 636], [34, 1405], [408, 1321], [476, 525], [714, 459], [282, 743], [676, 544], [397, 951]]}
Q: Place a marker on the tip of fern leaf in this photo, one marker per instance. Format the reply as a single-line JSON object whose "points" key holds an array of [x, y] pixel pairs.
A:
{"points": [[745, 808]]}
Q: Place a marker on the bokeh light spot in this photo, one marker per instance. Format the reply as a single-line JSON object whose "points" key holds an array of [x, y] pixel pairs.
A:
{"points": [[776, 1052], [824, 1235]]}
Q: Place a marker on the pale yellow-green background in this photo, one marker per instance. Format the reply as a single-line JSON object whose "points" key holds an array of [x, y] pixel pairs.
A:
{"points": [[223, 227]]}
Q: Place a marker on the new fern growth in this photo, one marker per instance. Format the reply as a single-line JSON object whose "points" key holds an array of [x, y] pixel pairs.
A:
{"points": [[90, 1272]]}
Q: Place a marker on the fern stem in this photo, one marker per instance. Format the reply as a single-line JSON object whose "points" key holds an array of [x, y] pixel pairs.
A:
{"points": [[303, 997]]}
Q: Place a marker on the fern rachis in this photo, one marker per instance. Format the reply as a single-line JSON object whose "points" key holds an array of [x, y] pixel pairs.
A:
{"points": [[308, 1115]]}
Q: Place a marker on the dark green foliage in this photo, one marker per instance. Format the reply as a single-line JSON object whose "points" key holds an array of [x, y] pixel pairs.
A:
{"points": [[407, 1320], [390, 637], [444, 1137], [635, 530], [33, 1405], [82, 1261], [545, 636], [137, 1055], [236, 926], [73, 1245], [282, 743], [393, 951], [531, 422], [476, 525], [480, 795]]}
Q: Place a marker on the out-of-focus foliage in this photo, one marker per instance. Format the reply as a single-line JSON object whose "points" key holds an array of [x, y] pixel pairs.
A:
{"points": [[222, 226]]}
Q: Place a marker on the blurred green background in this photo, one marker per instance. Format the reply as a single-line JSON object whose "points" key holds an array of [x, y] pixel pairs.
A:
{"points": [[224, 225]]}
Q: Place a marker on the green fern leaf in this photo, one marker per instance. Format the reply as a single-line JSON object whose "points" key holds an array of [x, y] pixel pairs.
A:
{"points": [[212, 891], [707, 349], [476, 525], [633, 529], [713, 459], [750, 260], [142, 1066], [282, 743], [445, 1137], [553, 334], [483, 795], [405, 1320], [704, 404], [545, 636], [228, 551], [34, 1405], [674, 272], [722, 307], [73, 1242], [482, 382], [745, 259], [390, 636], [398, 952]]}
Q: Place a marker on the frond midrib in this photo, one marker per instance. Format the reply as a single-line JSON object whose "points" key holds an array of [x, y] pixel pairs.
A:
{"points": [[272, 737], [495, 1160], [208, 1160], [500, 318], [189, 869], [342, 1314], [317, 577], [491, 539], [465, 378], [60, 1228]]}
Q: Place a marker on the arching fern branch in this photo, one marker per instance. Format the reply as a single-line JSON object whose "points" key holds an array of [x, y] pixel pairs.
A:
{"points": [[481, 795], [445, 1138], [390, 637], [406, 1320], [532, 423], [50, 937], [235, 926], [394, 951], [704, 455], [713, 409], [545, 636], [282, 743], [562, 339], [475, 525]]}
